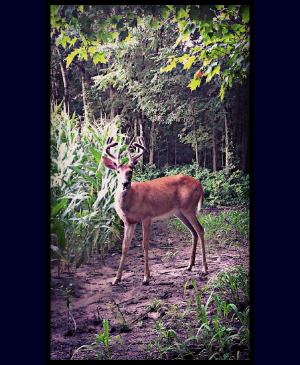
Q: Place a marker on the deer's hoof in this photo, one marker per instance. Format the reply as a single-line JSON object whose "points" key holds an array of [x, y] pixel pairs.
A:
{"points": [[189, 268], [116, 281], [205, 271], [146, 281]]}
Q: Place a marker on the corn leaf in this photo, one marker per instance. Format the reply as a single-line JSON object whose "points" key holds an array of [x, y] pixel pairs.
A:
{"points": [[58, 207]]}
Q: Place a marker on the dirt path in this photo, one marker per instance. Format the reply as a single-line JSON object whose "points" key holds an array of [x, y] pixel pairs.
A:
{"points": [[92, 292]]}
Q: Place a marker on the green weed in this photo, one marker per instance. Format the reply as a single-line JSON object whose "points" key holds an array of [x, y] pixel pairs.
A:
{"points": [[210, 328], [102, 341]]}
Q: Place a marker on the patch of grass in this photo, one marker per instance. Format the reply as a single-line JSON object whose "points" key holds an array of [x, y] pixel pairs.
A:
{"points": [[228, 227], [170, 255], [101, 348], [211, 327]]}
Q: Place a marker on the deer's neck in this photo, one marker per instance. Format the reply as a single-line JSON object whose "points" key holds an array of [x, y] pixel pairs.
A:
{"points": [[123, 198]]}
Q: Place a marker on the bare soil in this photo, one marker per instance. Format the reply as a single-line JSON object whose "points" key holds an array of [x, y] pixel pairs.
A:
{"points": [[93, 298]]}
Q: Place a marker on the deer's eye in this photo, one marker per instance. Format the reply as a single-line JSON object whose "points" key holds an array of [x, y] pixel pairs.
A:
{"points": [[118, 171]]}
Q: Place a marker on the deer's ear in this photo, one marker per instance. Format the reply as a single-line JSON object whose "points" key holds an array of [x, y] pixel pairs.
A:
{"points": [[109, 163]]}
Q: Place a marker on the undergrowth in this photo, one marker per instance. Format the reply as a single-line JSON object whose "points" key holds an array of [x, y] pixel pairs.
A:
{"points": [[214, 324], [209, 324], [229, 227]]}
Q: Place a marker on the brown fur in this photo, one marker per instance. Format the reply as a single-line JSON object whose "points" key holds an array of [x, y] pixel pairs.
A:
{"points": [[142, 202]]}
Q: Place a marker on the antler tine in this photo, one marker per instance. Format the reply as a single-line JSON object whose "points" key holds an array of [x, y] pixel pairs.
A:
{"points": [[140, 144], [108, 146]]}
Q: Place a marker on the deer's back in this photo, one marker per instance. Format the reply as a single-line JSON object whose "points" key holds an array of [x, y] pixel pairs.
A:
{"points": [[165, 195]]}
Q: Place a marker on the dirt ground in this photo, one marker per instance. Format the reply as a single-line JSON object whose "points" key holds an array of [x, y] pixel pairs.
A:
{"points": [[93, 298]]}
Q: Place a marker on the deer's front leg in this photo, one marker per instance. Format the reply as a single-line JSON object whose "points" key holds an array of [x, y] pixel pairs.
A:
{"points": [[128, 234], [146, 237]]}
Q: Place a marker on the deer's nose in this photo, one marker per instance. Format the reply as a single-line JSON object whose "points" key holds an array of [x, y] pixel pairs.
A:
{"points": [[125, 184]]}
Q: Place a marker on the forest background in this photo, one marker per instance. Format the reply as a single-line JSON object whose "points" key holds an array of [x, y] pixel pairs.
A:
{"points": [[177, 75]]}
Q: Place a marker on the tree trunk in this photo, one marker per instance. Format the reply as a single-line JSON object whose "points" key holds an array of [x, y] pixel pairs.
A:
{"points": [[196, 143], [245, 145], [85, 107], [175, 152], [54, 88], [167, 148], [222, 158], [214, 150], [64, 77], [226, 141], [111, 95], [175, 145], [142, 134], [135, 129], [151, 142]]}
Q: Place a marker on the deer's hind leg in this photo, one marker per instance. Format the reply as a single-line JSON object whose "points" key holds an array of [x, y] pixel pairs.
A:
{"points": [[186, 222], [190, 216]]}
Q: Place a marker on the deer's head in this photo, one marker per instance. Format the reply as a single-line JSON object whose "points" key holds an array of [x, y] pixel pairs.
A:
{"points": [[124, 172]]}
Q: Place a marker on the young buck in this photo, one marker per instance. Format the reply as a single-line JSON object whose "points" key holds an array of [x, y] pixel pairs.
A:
{"points": [[161, 198]]}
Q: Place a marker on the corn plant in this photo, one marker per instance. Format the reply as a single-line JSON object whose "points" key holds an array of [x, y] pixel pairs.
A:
{"points": [[234, 283], [82, 190], [102, 340], [211, 325]]}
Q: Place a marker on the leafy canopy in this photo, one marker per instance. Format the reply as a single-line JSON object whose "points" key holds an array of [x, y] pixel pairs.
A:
{"points": [[215, 37]]}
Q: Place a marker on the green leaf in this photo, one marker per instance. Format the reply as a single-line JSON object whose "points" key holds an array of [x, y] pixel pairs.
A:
{"points": [[58, 229], [189, 63], [194, 285], [58, 207], [170, 67], [71, 56], [96, 154], [181, 14], [174, 334], [73, 41], [164, 11], [216, 70], [91, 168], [59, 252], [54, 9], [235, 26], [170, 7], [154, 24], [64, 41], [245, 11], [209, 77], [202, 54], [222, 90], [91, 50], [85, 175], [182, 24], [113, 36], [82, 258], [225, 72], [194, 84], [99, 57], [82, 53]]}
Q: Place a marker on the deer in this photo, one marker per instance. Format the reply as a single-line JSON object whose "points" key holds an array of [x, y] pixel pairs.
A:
{"points": [[144, 202]]}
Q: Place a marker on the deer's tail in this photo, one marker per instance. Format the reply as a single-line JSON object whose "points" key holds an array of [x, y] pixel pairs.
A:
{"points": [[200, 203]]}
